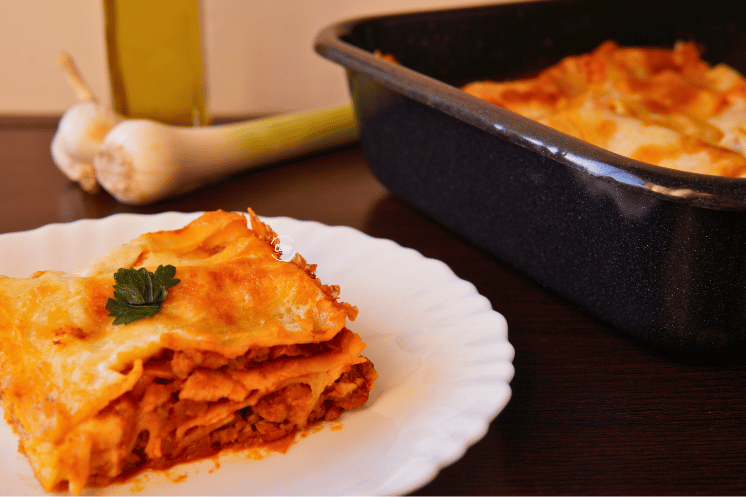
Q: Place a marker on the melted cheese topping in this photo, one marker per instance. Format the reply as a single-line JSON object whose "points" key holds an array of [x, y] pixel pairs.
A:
{"points": [[664, 107], [62, 362]]}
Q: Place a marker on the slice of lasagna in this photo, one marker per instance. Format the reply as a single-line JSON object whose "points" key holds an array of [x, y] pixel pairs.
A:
{"points": [[664, 107], [245, 350]]}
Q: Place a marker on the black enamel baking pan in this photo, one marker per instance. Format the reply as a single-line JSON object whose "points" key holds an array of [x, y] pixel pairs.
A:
{"points": [[658, 254]]}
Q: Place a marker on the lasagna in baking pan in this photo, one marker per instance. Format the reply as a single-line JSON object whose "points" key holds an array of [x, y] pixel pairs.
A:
{"points": [[664, 107], [173, 347]]}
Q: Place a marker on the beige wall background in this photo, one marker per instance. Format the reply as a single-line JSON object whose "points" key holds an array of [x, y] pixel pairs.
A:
{"points": [[259, 54]]}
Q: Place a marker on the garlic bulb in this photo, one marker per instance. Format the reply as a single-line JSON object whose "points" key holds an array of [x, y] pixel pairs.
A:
{"points": [[81, 130], [142, 161], [79, 135]]}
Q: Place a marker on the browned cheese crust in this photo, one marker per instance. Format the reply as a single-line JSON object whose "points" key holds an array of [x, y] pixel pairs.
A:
{"points": [[665, 107]]}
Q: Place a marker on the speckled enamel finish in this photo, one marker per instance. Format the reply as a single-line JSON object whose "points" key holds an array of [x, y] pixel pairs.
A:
{"points": [[658, 254]]}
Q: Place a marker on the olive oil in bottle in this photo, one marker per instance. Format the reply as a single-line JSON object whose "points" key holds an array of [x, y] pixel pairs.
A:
{"points": [[155, 60]]}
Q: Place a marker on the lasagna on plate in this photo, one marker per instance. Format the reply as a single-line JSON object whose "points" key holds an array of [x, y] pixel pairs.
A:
{"points": [[242, 350], [665, 107]]}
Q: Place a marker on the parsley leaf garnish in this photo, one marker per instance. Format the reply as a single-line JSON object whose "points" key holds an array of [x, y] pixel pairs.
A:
{"points": [[139, 293]]}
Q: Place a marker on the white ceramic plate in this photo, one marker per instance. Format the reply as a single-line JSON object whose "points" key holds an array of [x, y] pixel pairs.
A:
{"points": [[442, 354]]}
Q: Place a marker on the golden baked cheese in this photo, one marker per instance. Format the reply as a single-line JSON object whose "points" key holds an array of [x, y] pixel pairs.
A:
{"points": [[245, 350], [664, 107]]}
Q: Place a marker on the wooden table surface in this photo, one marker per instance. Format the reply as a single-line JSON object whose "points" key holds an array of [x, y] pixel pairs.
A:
{"points": [[592, 412]]}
